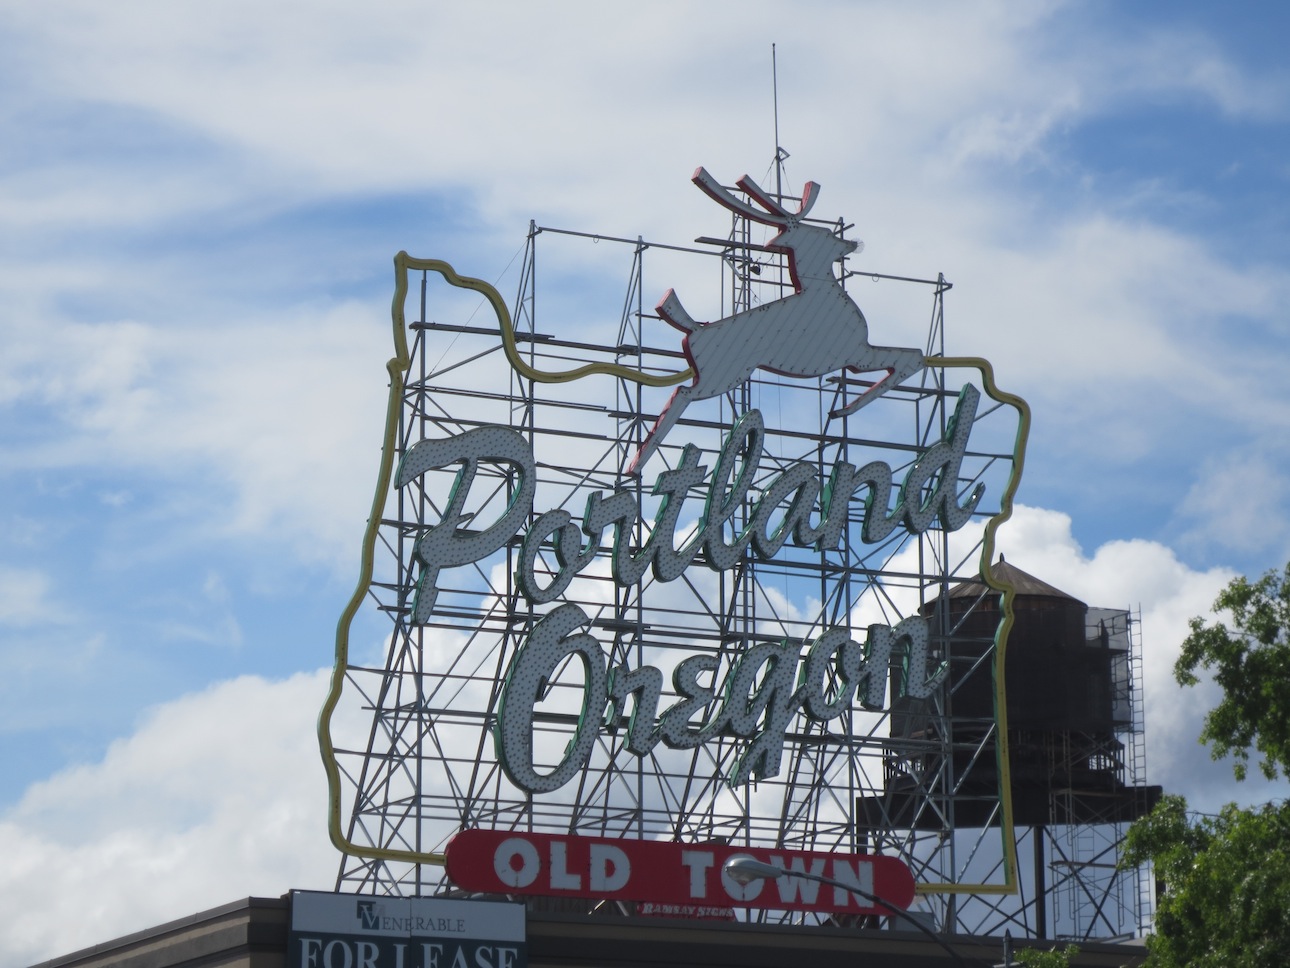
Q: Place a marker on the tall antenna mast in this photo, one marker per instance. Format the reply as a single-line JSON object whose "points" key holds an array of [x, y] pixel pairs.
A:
{"points": [[780, 154]]}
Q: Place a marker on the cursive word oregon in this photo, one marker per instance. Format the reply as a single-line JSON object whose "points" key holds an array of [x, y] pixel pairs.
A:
{"points": [[757, 705]]}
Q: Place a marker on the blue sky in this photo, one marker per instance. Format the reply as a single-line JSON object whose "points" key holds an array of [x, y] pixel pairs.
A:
{"points": [[200, 205]]}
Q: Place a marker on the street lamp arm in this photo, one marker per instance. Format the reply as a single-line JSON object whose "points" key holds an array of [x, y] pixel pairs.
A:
{"points": [[872, 898]]}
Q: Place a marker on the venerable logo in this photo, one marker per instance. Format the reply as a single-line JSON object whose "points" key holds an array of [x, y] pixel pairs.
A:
{"points": [[369, 915]]}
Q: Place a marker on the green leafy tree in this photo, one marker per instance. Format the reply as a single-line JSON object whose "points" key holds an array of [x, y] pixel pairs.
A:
{"points": [[1251, 663], [1227, 885], [1038, 958], [1226, 898]]}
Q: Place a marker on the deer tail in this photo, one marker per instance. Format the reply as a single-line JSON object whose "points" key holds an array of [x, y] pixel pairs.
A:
{"points": [[674, 314]]}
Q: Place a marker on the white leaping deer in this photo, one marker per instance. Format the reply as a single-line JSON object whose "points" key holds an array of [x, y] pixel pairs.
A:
{"points": [[816, 330]]}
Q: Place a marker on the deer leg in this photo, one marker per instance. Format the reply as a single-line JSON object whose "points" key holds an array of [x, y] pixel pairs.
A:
{"points": [[899, 365], [671, 413]]}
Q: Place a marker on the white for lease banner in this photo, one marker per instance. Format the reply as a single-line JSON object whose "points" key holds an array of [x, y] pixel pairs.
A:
{"points": [[366, 931]]}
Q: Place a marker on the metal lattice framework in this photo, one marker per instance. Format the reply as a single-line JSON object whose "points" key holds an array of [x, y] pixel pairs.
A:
{"points": [[1091, 893], [1082, 781], [416, 705]]}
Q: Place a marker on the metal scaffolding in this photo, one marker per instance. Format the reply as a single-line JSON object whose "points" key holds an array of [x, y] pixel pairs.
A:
{"points": [[414, 728]]}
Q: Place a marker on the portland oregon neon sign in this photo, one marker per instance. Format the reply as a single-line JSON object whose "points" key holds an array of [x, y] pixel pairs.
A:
{"points": [[763, 691], [610, 601]]}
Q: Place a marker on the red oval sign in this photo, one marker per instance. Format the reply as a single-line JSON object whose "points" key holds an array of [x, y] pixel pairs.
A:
{"points": [[511, 862]]}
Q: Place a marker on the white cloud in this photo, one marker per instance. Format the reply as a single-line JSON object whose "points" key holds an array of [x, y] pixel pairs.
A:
{"points": [[398, 94], [1176, 60], [356, 102], [215, 796], [271, 410], [24, 598], [1240, 500]]}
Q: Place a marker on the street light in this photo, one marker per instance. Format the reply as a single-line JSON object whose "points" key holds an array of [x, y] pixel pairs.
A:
{"points": [[744, 869]]}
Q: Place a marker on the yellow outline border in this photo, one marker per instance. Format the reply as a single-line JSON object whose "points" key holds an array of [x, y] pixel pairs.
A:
{"points": [[403, 262], [397, 368], [1008, 593]]}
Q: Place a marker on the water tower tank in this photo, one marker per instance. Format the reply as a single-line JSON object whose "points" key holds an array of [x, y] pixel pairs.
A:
{"points": [[1068, 694], [1061, 675]]}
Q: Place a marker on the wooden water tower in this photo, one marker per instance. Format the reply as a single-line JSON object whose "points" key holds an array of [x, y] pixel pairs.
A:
{"points": [[1074, 730]]}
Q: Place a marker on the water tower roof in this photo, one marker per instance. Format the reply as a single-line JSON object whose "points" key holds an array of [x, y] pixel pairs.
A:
{"points": [[1024, 582]]}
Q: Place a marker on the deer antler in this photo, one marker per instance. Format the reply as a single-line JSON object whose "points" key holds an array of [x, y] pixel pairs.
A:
{"points": [[775, 213], [810, 192]]}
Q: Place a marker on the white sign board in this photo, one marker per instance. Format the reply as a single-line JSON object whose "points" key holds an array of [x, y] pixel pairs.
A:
{"points": [[365, 931]]}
